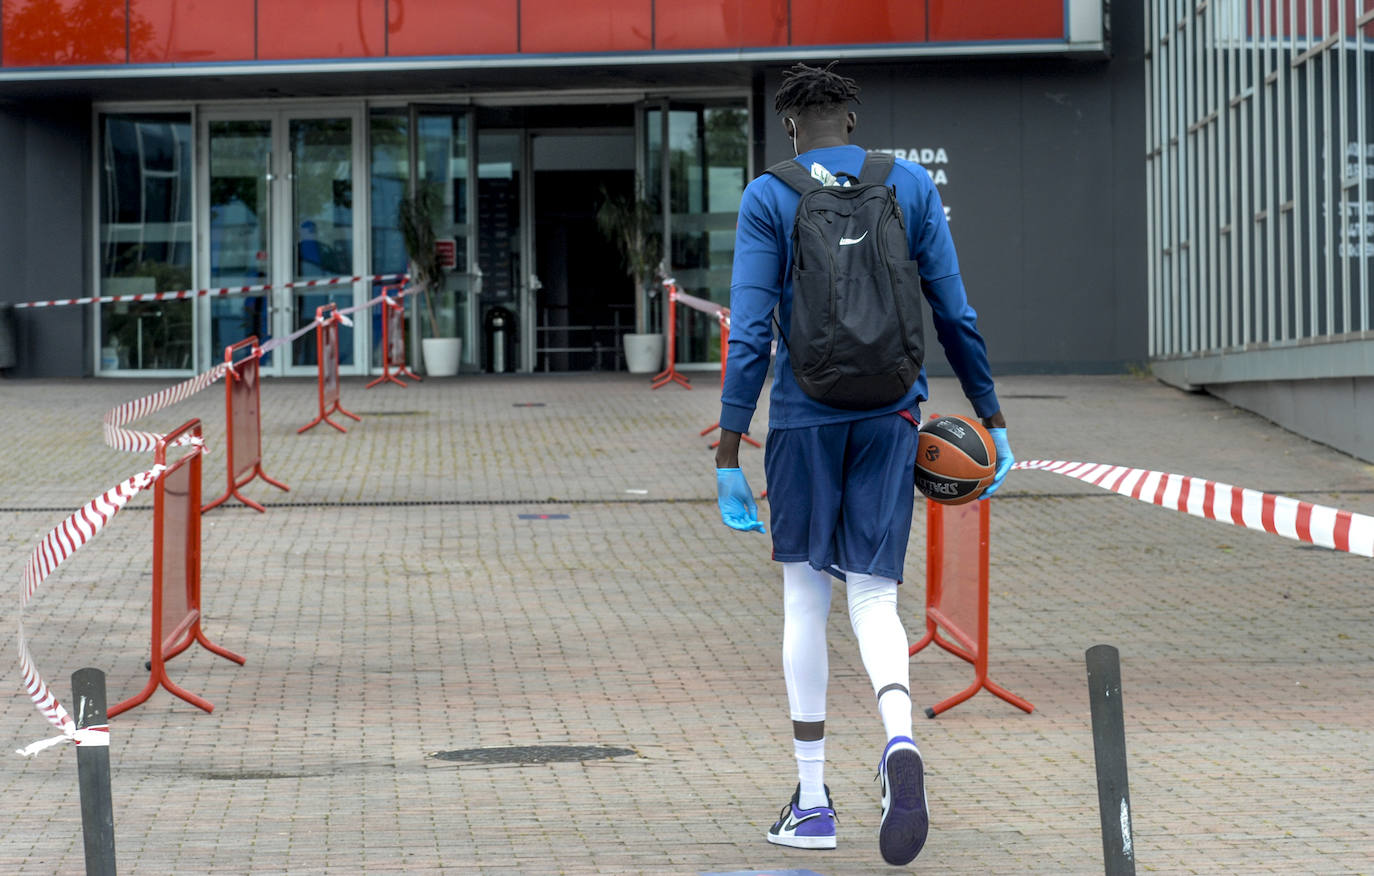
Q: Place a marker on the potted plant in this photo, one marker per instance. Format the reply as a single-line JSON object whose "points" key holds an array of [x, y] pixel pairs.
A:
{"points": [[634, 226], [418, 213]]}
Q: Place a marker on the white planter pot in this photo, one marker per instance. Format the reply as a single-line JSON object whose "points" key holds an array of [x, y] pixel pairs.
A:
{"points": [[441, 355], [643, 353]]}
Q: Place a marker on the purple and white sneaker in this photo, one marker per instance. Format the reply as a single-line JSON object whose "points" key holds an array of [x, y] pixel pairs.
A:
{"points": [[906, 820], [805, 828]]}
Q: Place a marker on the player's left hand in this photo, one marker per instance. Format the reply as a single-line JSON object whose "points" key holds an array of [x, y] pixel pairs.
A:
{"points": [[1004, 459], [738, 510]]}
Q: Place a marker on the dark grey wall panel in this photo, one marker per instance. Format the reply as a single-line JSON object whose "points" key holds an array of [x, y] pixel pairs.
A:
{"points": [[1129, 217], [45, 162], [12, 200], [1069, 305]]}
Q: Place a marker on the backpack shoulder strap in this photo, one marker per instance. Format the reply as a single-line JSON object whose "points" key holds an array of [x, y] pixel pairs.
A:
{"points": [[877, 165], [792, 173]]}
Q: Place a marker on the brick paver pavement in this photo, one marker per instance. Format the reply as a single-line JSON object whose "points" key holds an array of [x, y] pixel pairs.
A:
{"points": [[396, 604]]}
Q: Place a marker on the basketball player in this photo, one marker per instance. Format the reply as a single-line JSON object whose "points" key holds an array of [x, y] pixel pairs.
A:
{"points": [[840, 482]]}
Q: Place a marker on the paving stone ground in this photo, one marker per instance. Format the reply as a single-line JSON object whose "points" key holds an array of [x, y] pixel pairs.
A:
{"points": [[417, 591]]}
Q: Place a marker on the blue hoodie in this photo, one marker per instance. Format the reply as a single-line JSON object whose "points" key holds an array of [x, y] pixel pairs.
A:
{"points": [[762, 281]]}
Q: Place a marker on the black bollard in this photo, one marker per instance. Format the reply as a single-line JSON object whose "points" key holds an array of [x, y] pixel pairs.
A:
{"points": [[93, 773], [1109, 746]]}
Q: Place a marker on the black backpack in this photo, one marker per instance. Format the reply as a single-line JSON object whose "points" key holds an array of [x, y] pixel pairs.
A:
{"points": [[856, 340]]}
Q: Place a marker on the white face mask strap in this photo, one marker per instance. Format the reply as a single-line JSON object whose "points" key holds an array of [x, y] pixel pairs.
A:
{"points": [[794, 136]]}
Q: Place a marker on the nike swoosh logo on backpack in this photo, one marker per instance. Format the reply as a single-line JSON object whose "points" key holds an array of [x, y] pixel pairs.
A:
{"points": [[850, 241]]}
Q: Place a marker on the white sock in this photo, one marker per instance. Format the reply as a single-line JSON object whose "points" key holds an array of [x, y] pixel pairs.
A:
{"points": [[810, 772], [894, 707]]}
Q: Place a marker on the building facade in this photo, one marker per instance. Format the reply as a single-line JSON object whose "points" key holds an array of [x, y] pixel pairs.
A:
{"points": [[1261, 203], [149, 146]]}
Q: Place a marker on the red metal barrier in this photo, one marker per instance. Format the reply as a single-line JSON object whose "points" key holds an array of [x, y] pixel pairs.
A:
{"points": [[670, 374], [724, 317], [243, 423], [957, 594], [393, 341], [176, 569], [327, 321]]}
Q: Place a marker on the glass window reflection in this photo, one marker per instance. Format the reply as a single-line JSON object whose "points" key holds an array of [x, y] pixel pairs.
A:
{"points": [[240, 243], [708, 165], [145, 240], [321, 180], [389, 142]]}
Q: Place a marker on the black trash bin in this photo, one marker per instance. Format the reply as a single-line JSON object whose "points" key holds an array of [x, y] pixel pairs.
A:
{"points": [[9, 355], [500, 337]]}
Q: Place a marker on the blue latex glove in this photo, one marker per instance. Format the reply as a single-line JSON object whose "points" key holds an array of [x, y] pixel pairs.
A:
{"points": [[738, 510], [1004, 459]]}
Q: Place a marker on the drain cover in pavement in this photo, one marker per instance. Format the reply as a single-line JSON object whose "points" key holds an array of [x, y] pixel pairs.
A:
{"points": [[533, 754], [528, 405]]}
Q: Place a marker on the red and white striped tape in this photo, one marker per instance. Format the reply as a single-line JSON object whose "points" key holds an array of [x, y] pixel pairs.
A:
{"points": [[223, 290], [134, 441], [701, 304], [1251, 509], [64, 540], [84, 523], [125, 439]]}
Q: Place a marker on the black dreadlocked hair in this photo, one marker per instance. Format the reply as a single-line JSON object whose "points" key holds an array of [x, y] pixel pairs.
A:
{"points": [[805, 88]]}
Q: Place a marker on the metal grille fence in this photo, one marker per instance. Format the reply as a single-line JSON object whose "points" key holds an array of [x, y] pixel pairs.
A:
{"points": [[1260, 175]]}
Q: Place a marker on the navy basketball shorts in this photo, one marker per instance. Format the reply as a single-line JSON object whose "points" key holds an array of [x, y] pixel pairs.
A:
{"points": [[841, 495]]}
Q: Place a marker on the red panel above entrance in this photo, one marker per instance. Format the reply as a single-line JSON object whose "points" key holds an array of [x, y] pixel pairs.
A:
{"points": [[822, 23], [966, 20], [311, 29], [86, 32], [191, 31], [98, 32], [727, 24], [586, 25], [442, 27]]}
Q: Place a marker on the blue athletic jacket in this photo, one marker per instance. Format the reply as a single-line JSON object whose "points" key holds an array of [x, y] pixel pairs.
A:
{"points": [[762, 281]]}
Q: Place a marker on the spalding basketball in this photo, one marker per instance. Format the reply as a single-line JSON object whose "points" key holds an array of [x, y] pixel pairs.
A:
{"points": [[955, 459]]}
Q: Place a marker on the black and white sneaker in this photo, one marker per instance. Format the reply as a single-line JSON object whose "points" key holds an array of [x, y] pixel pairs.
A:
{"points": [[906, 820], [805, 828]]}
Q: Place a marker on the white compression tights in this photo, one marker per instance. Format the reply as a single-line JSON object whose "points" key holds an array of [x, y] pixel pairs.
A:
{"points": [[882, 643]]}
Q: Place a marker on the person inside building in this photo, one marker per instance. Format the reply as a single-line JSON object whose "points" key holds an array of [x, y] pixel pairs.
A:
{"points": [[839, 480]]}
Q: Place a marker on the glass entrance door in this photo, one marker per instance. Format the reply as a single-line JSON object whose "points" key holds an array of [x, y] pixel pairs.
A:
{"points": [[504, 238], [240, 213], [443, 143], [280, 210], [697, 161]]}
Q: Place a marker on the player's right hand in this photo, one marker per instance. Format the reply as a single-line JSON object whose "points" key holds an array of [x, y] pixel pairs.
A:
{"points": [[738, 510]]}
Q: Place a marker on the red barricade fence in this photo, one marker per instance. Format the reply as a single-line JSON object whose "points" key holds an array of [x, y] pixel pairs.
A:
{"points": [[670, 374], [724, 318], [243, 422], [176, 612], [393, 341], [957, 594], [327, 319]]}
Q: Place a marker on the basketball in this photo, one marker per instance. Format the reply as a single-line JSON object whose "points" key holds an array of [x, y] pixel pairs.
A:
{"points": [[955, 459]]}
